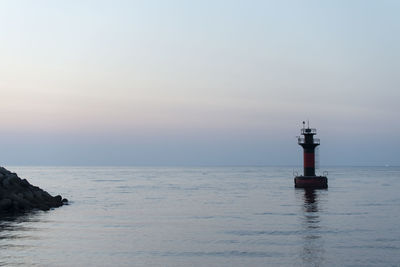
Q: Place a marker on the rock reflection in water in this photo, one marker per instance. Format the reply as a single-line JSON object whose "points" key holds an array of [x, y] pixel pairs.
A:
{"points": [[15, 233], [312, 253]]}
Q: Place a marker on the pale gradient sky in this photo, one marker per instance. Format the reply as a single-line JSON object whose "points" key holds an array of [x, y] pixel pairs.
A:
{"points": [[198, 82]]}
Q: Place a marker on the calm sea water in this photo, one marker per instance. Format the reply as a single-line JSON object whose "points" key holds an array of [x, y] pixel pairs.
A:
{"points": [[233, 216]]}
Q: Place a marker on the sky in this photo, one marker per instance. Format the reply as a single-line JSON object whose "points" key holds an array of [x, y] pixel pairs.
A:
{"points": [[198, 82]]}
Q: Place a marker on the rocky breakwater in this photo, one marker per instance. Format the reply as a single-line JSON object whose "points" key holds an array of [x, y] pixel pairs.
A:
{"points": [[18, 195]]}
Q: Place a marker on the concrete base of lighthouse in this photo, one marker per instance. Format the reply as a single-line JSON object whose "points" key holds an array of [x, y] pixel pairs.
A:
{"points": [[310, 182]]}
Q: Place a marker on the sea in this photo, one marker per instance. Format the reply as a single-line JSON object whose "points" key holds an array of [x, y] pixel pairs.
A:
{"points": [[207, 216]]}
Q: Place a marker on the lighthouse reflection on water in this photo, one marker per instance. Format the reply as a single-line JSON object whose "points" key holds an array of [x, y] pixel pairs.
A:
{"points": [[312, 250]]}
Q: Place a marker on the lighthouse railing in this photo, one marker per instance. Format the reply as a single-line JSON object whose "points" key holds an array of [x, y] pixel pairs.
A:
{"points": [[308, 131], [301, 141]]}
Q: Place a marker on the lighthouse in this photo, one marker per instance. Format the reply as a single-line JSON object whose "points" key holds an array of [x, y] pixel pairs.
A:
{"points": [[309, 143]]}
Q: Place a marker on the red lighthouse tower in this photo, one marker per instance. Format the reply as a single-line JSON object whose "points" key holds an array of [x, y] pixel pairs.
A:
{"points": [[309, 143]]}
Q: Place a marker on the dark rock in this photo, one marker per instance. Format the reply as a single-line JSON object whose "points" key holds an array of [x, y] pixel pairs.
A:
{"points": [[18, 195], [28, 195], [25, 183], [4, 171], [5, 204], [6, 183]]}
